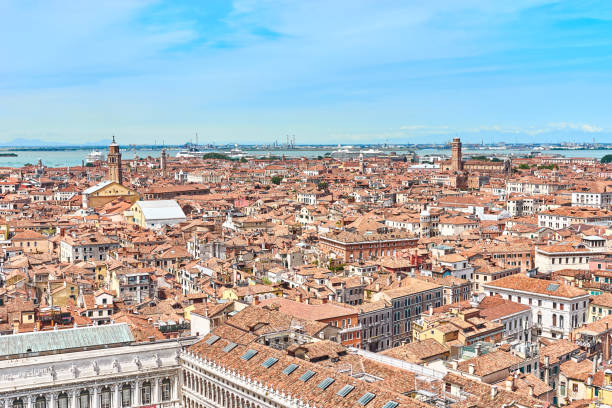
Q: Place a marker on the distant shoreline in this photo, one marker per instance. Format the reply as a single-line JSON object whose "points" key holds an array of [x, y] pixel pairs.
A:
{"points": [[8, 154]]}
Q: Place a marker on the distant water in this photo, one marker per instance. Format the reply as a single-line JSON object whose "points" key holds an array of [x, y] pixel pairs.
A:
{"points": [[60, 158]]}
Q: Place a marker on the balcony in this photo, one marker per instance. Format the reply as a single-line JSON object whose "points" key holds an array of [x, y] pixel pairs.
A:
{"points": [[351, 329]]}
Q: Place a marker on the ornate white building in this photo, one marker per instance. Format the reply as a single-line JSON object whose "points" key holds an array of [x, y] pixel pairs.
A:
{"points": [[89, 367]]}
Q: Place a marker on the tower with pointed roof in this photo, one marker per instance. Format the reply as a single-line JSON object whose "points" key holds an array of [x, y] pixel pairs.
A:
{"points": [[114, 163]]}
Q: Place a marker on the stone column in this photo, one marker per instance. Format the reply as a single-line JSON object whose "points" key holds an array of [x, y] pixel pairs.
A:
{"points": [[73, 398], [52, 400], [29, 401], [175, 386], [116, 397], [136, 395], [155, 397], [95, 403]]}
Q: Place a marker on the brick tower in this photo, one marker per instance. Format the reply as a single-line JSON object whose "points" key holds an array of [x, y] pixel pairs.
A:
{"points": [[114, 163], [456, 161]]}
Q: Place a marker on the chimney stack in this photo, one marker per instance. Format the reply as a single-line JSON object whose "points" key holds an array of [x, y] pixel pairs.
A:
{"points": [[471, 368], [510, 383], [493, 391], [530, 386]]}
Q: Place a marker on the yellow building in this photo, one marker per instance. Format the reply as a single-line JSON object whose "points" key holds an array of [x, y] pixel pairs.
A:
{"points": [[105, 192], [601, 393], [61, 291], [600, 306], [155, 213]]}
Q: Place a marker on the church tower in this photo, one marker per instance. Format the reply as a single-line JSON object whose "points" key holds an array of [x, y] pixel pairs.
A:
{"points": [[162, 162], [114, 163], [456, 160]]}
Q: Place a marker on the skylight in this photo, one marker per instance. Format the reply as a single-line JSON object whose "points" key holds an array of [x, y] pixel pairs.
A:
{"points": [[366, 398], [229, 347], [269, 362], [391, 404], [307, 376], [290, 368], [552, 287], [249, 354], [344, 391], [326, 383], [212, 340]]}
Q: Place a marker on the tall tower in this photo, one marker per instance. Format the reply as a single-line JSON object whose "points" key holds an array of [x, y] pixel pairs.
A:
{"points": [[456, 161], [162, 162], [114, 163]]}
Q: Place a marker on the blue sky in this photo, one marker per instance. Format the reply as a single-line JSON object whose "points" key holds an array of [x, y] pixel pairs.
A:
{"points": [[342, 71]]}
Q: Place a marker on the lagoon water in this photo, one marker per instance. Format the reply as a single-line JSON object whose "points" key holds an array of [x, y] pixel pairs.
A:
{"points": [[75, 157]]}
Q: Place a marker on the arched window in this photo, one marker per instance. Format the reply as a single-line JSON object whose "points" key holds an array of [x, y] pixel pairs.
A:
{"points": [[18, 403], [62, 400], [145, 393], [41, 402], [84, 399], [126, 395], [105, 398], [166, 390]]}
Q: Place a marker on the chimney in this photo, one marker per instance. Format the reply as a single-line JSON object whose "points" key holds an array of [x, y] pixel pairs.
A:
{"points": [[530, 386], [430, 310], [510, 383], [589, 380], [546, 369], [454, 365], [477, 349], [471, 368], [594, 364], [493, 391]]}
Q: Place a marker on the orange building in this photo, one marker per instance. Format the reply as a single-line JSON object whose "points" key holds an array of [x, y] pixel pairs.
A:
{"points": [[352, 246]]}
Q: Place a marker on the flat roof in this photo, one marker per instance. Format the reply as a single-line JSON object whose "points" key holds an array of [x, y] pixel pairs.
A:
{"points": [[65, 339]]}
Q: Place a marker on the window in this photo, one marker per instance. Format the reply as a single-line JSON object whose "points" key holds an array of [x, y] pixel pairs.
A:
{"points": [[84, 399], [62, 401], [126, 395], [145, 393], [40, 402], [105, 399], [290, 368], [344, 391], [165, 390], [18, 403], [574, 387]]}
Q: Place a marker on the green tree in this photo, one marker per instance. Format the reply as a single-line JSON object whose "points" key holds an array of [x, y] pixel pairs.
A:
{"points": [[524, 166], [276, 180], [322, 185], [218, 156], [607, 158]]}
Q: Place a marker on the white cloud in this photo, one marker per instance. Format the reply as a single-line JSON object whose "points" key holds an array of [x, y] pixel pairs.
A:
{"points": [[583, 127]]}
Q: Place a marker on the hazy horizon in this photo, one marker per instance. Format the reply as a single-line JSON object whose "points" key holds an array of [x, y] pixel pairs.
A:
{"points": [[343, 72]]}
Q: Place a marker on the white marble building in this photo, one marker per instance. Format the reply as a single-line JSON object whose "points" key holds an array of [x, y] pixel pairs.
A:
{"points": [[93, 367]]}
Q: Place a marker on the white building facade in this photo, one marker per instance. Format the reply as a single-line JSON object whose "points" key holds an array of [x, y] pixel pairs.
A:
{"points": [[554, 315], [118, 376]]}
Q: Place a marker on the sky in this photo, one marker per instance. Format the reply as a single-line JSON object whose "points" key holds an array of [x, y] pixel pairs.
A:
{"points": [[340, 71]]}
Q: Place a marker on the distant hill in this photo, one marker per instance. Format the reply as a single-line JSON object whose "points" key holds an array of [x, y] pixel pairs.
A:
{"points": [[22, 142]]}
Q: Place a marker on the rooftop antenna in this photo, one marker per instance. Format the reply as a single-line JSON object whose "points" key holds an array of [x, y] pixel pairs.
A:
{"points": [[196, 138]]}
